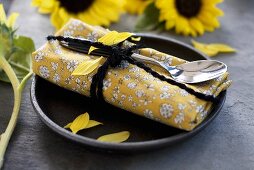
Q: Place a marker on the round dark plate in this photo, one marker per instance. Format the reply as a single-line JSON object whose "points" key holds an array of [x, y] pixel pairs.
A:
{"points": [[57, 107]]}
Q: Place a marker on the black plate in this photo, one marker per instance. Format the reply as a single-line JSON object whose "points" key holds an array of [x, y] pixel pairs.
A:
{"points": [[57, 107]]}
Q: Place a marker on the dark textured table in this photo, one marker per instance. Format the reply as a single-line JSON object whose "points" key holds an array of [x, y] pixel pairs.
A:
{"points": [[227, 143]]}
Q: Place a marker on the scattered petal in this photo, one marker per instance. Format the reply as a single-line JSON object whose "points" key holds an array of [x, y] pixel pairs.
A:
{"points": [[114, 37], [212, 49], [91, 49], [68, 125], [135, 38], [88, 67], [80, 123], [115, 137], [93, 123]]}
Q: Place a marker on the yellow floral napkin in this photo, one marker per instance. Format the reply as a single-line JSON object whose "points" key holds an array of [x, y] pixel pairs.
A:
{"points": [[127, 86]]}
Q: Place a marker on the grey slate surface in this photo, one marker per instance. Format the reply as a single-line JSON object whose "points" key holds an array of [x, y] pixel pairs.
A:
{"points": [[227, 143]]}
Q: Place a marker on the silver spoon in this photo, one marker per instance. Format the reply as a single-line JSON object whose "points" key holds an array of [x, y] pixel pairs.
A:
{"points": [[190, 72]]}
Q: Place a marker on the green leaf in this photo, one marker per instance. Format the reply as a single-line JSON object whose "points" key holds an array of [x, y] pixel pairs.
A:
{"points": [[19, 58], [149, 20]]}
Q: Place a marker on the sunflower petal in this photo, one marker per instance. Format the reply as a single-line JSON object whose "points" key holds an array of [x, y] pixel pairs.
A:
{"points": [[92, 123], [135, 38], [87, 67], [212, 49], [91, 49], [222, 48], [68, 125], [114, 37], [115, 137], [79, 123]]}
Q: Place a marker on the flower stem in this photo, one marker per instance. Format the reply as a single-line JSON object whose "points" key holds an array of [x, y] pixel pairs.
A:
{"points": [[5, 137]]}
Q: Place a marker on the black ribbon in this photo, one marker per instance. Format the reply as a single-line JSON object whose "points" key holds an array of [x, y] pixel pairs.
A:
{"points": [[115, 54]]}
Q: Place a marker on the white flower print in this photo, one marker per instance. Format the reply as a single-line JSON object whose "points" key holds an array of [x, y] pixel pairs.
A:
{"points": [[219, 79], [90, 78], [164, 95], [77, 80], [207, 92], [165, 88], [68, 33], [166, 59], [92, 36], [71, 66], [68, 80], [129, 98], [140, 93], [181, 106], [132, 85], [44, 71], [148, 113], [84, 84], [127, 77], [115, 95], [179, 118], [58, 50], [193, 103], [123, 97], [124, 64], [184, 93], [199, 109], [145, 101], [54, 66], [39, 56], [116, 89], [134, 69], [146, 77], [134, 104], [203, 114], [150, 87], [166, 110], [56, 78], [106, 84]]}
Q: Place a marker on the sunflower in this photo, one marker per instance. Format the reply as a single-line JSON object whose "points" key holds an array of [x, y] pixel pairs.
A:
{"points": [[136, 6], [95, 12], [190, 17]]}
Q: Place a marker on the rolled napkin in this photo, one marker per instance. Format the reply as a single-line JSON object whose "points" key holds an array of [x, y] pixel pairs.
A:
{"points": [[128, 86]]}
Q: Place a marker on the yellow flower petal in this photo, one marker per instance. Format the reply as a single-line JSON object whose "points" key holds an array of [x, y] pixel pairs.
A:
{"points": [[197, 25], [91, 49], [135, 38], [115, 137], [88, 67], [212, 49], [68, 125], [93, 123], [12, 19], [2, 14], [79, 123], [113, 37]]}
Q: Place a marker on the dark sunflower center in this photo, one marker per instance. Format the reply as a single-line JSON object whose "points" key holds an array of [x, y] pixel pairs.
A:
{"points": [[188, 8], [75, 6]]}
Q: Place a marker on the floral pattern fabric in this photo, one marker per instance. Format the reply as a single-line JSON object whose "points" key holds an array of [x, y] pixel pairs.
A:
{"points": [[128, 86]]}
